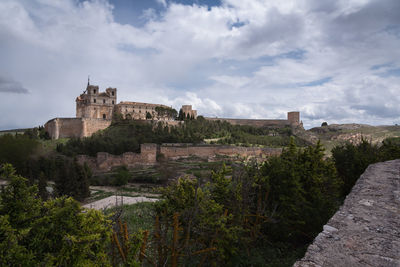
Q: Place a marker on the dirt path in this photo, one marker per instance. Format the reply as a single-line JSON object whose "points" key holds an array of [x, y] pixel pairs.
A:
{"points": [[112, 201]]}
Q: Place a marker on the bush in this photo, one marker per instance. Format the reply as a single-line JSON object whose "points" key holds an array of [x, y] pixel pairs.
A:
{"points": [[121, 177]]}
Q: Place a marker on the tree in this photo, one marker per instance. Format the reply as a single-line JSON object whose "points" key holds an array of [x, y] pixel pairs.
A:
{"points": [[148, 116], [56, 232], [324, 124]]}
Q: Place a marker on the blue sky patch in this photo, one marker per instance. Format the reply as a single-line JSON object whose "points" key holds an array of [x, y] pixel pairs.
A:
{"points": [[316, 82]]}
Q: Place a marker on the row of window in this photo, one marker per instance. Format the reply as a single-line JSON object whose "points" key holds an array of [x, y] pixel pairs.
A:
{"points": [[104, 101]]}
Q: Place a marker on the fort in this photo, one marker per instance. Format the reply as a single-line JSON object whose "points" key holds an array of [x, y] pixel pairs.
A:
{"points": [[95, 111], [149, 153]]}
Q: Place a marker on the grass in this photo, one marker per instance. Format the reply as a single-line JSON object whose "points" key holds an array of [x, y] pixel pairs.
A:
{"points": [[139, 216]]}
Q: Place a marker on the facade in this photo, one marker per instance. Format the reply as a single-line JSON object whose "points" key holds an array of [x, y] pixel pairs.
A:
{"points": [[94, 104], [143, 111]]}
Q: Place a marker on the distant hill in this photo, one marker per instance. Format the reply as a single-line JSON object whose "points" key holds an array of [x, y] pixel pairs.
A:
{"points": [[337, 134]]}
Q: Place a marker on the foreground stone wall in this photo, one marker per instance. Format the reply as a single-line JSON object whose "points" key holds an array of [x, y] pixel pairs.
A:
{"points": [[366, 229]]}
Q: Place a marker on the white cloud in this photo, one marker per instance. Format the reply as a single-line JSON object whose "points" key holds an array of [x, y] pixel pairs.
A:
{"points": [[229, 60]]}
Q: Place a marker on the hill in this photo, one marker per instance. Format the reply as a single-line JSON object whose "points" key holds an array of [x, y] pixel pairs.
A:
{"points": [[338, 134]]}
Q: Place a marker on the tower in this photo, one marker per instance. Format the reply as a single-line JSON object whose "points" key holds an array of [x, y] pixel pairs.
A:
{"points": [[94, 104]]}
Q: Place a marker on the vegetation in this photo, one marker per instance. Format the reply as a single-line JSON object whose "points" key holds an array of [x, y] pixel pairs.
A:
{"points": [[51, 233], [352, 160]]}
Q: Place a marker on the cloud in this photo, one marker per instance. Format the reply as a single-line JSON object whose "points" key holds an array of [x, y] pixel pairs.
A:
{"points": [[162, 2], [10, 86], [256, 59]]}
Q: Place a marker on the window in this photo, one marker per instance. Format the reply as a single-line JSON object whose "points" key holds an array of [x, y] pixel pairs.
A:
{"points": [[113, 102], [94, 91], [112, 93], [140, 111], [104, 101], [94, 100], [104, 116]]}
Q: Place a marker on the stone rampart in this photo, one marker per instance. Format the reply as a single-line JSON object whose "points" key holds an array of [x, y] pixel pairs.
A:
{"points": [[254, 123], [74, 127], [174, 151], [105, 161], [148, 154], [366, 229]]}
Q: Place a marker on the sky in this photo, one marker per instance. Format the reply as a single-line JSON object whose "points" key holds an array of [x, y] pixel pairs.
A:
{"points": [[336, 61]]}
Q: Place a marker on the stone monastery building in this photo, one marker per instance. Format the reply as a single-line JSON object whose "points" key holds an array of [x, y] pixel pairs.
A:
{"points": [[95, 111]]}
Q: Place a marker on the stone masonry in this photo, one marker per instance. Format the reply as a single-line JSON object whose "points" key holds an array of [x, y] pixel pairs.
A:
{"points": [[148, 154], [366, 229]]}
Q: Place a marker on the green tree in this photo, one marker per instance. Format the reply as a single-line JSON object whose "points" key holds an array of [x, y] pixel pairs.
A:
{"points": [[56, 232]]}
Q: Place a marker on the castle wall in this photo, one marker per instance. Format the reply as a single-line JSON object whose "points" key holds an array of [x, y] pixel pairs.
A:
{"points": [[254, 123], [74, 127], [105, 161], [148, 154], [90, 126], [174, 151], [64, 127]]}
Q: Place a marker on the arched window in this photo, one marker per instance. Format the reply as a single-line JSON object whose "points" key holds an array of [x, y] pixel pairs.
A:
{"points": [[94, 100], [104, 116], [113, 102], [104, 101], [94, 91]]}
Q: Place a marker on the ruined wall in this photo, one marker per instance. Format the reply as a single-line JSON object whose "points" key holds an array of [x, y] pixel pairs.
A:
{"points": [[74, 127], [173, 151], [105, 161], [366, 229], [148, 154], [254, 123]]}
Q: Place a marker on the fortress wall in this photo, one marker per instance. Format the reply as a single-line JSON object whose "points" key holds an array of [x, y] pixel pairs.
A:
{"points": [[365, 230], [205, 151], [148, 154], [74, 127], [254, 123], [90, 126], [105, 161], [64, 127]]}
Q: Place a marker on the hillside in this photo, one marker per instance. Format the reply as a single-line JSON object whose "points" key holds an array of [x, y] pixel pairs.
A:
{"points": [[337, 134]]}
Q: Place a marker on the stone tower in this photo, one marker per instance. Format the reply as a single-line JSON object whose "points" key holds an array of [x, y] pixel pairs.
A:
{"points": [[94, 104], [293, 117]]}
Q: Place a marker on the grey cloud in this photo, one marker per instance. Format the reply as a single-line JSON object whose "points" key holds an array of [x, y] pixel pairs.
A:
{"points": [[11, 86], [378, 110], [278, 28]]}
